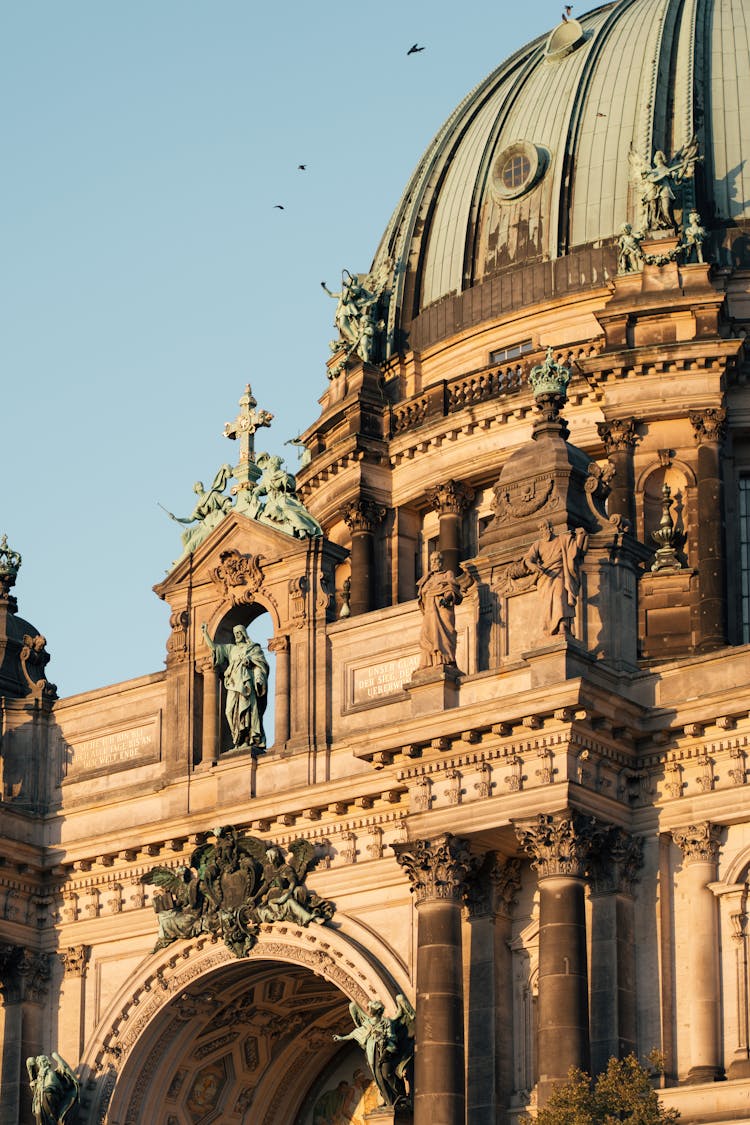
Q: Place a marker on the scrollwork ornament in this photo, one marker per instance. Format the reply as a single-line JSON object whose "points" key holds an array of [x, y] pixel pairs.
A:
{"points": [[240, 576], [699, 843], [438, 869]]}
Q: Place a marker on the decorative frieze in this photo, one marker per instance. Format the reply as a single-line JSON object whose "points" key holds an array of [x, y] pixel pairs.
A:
{"points": [[438, 868], [699, 843]]}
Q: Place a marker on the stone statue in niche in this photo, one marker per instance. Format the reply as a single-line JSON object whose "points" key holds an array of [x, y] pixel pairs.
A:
{"points": [[658, 182], [210, 509], [438, 593], [246, 683], [555, 560], [388, 1043], [54, 1089]]}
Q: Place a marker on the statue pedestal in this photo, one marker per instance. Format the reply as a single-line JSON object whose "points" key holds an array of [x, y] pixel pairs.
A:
{"points": [[434, 689], [389, 1115]]}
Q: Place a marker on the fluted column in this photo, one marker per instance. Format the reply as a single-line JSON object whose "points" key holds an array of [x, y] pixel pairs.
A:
{"points": [[699, 844], [613, 997], [362, 517], [709, 426], [560, 847], [437, 870], [450, 500], [211, 727], [280, 646], [620, 437], [489, 1053], [72, 1007]]}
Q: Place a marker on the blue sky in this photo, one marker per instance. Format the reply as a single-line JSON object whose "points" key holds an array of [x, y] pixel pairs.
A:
{"points": [[146, 275]]}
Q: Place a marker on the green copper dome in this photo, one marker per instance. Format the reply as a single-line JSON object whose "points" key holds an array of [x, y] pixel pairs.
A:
{"points": [[532, 169]]}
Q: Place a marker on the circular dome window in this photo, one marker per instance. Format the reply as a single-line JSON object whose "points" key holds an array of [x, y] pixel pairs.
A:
{"points": [[516, 169]]}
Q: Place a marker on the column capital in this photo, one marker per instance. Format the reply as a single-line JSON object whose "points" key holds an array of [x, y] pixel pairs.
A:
{"points": [[452, 497], [438, 869], [279, 643], [618, 434], [493, 887], [562, 844], [614, 870], [699, 843], [708, 425], [74, 960], [24, 975], [362, 515]]}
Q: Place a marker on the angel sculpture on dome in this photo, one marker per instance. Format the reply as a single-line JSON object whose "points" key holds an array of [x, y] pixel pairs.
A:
{"points": [[659, 180]]}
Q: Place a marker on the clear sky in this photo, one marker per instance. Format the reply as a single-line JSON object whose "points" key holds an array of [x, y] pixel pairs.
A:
{"points": [[146, 275]]}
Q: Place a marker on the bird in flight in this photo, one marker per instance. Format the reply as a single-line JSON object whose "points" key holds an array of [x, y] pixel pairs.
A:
{"points": [[566, 12], [278, 206], [301, 167], [414, 49]]}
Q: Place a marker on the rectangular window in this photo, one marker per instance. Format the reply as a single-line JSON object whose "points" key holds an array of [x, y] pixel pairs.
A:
{"points": [[744, 543], [515, 351]]}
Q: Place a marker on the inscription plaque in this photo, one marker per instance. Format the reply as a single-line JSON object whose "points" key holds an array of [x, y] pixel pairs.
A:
{"points": [[115, 750], [375, 681]]}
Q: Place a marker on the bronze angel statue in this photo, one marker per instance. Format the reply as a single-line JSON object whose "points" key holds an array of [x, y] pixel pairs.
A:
{"points": [[177, 903], [658, 181], [388, 1043], [54, 1089]]}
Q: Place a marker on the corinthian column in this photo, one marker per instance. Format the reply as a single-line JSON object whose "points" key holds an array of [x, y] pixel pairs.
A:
{"points": [[11, 1026], [280, 646], [211, 726], [362, 517], [620, 437], [560, 847], [438, 870], [450, 500], [709, 428], [699, 844]]}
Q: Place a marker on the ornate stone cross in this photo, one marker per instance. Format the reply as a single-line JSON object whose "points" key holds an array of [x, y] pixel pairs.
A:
{"points": [[243, 430]]}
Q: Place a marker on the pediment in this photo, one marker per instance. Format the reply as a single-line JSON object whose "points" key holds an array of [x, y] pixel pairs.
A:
{"points": [[246, 547]]}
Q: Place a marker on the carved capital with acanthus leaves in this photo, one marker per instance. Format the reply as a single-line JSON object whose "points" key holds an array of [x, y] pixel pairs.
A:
{"points": [[451, 498], [239, 576], [279, 643], [614, 869], [620, 435], [438, 869], [362, 515], [562, 844], [699, 843], [709, 425], [74, 960], [494, 887]]}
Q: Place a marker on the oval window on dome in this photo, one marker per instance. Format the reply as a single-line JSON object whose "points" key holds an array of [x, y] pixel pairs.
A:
{"points": [[516, 169]]}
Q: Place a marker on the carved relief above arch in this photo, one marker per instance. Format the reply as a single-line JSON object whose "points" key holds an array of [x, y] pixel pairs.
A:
{"points": [[173, 984]]}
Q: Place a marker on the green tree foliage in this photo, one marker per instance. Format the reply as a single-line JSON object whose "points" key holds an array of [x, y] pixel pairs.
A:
{"points": [[622, 1095]]}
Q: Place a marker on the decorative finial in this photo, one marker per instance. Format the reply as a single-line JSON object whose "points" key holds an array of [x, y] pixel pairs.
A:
{"points": [[10, 564], [550, 378], [665, 536]]}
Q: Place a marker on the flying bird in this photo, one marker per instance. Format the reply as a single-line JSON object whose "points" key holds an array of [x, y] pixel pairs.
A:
{"points": [[278, 206], [414, 49], [301, 167]]}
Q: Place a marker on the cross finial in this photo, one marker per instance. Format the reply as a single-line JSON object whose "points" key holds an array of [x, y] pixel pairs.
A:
{"points": [[243, 430]]}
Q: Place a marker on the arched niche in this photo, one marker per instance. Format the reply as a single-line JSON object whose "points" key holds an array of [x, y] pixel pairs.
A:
{"points": [[200, 1035], [680, 480], [260, 621]]}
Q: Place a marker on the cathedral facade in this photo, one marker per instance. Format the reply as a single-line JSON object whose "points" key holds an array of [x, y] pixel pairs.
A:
{"points": [[451, 742]]}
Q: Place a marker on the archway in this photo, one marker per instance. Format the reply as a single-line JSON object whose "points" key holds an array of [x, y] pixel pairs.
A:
{"points": [[204, 1037]]}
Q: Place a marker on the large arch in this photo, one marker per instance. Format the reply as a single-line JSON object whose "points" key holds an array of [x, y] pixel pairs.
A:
{"points": [[242, 1039]]}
